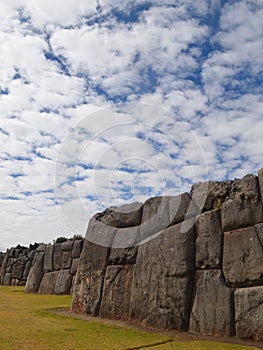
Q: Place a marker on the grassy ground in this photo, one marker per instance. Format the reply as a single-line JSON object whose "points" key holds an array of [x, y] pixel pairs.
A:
{"points": [[27, 322]]}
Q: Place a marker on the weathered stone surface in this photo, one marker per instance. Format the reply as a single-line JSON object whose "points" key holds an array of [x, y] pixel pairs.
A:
{"points": [[260, 181], [209, 239], [121, 256], [7, 279], [249, 313], [77, 248], [211, 194], [89, 279], [212, 312], [161, 212], [36, 273], [163, 279], [117, 292], [244, 207], [63, 282], [74, 266], [18, 268], [48, 260], [67, 246], [126, 237], [47, 285], [57, 256], [100, 232], [127, 215], [66, 260], [27, 268], [243, 258]]}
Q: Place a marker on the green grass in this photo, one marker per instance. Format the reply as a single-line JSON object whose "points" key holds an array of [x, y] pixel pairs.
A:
{"points": [[26, 323]]}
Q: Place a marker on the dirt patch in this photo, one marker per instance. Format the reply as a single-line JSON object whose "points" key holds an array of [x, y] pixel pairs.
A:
{"points": [[180, 336]]}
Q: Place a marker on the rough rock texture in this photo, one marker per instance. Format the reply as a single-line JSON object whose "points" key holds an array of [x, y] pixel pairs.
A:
{"points": [[249, 313], [116, 296], [243, 258], [212, 311], [36, 273], [163, 280], [89, 279], [244, 207], [14, 267], [209, 237]]}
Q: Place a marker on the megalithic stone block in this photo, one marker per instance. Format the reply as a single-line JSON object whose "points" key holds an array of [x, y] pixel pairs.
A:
{"points": [[163, 279], [212, 311], [243, 257], [249, 313]]}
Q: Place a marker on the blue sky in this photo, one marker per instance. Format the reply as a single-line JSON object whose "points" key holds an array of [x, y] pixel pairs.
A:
{"points": [[107, 102]]}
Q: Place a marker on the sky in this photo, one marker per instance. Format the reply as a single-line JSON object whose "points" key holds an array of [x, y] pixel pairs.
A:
{"points": [[107, 102]]}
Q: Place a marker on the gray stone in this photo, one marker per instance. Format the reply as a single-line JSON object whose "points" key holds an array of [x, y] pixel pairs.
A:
{"points": [[57, 257], [74, 266], [127, 215], [243, 258], [66, 260], [117, 292], [67, 246], [48, 260], [244, 207], [123, 256], [89, 279], [48, 282], [27, 268], [212, 312], [211, 194], [209, 239], [63, 283], [35, 274], [163, 279], [249, 313], [77, 248], [260, 181], [7, 279], [100, 232]]}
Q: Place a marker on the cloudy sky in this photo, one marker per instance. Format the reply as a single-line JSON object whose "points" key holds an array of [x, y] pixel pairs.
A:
{"points": [[105, 102]]}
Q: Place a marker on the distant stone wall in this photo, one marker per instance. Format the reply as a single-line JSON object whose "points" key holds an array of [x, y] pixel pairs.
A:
{"points": [[42, 268], [54, 268], [16, 263], [177, 263]]}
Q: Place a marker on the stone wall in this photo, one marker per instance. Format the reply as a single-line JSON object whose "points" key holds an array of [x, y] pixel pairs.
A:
{"points": [[54, 268], [16, 263], [191, 262], [42, 268]]}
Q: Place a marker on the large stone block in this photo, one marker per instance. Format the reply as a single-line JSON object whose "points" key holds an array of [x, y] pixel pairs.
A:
{"points": [[117, 292], [163, 278], [74, 266], [89, 279], [209, 239], [212, 311], [243, 258], [36, 273], [63, 283], [77, 248], [244, 207], [210, 195], [249, 313], [260, 181], [57, 256], [48, 260], [66, 260], [48, 282], [67, 246], [127, 215]]}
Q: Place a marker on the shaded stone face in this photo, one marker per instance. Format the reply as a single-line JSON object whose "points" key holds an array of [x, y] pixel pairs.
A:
{"points": [[116, 295], [212, 312], [163, 280], [249, 313], [243, 257], [209, 239]]}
